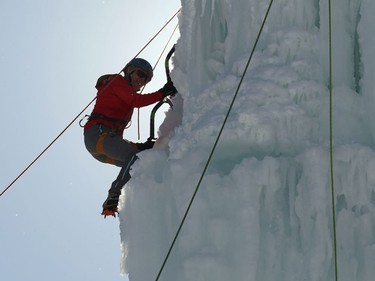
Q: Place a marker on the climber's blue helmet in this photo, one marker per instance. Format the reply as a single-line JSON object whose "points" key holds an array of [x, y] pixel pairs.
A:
{"points": [[138, 63]]}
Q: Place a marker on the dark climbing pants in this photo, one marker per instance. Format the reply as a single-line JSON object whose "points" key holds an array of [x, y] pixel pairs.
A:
{"points": [[108, 147]]}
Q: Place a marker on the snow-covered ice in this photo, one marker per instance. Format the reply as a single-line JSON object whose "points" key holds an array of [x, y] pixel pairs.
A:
{"points": [[264, 208]]}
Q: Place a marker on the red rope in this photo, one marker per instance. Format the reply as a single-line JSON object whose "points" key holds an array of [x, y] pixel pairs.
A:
{"points": [[161, 29], [59, 135], [78, 115]]}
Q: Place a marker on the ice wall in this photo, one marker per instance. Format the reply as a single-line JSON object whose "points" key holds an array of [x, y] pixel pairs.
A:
{"points": [[263, 211]]}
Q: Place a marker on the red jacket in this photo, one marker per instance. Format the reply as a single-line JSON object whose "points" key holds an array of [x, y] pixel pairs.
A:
{"points": [[115, 102]]}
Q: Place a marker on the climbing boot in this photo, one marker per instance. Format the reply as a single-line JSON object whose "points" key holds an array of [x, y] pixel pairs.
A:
{"points": [[110, 205]]}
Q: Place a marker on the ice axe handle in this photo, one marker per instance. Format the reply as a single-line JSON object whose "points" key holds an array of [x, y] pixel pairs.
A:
{"points": [[166, 100], [169, 55]]}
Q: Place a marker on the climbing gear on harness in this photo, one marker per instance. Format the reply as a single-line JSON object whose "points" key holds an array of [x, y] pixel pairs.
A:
{"points": [[84, 117], [118, 125], [138, 64]]}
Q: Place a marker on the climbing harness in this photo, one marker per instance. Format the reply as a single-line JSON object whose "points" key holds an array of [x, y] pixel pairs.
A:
{"points": [[117, 125]]}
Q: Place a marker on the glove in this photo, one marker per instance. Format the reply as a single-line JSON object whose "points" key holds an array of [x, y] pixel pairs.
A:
{"points": [[168, 89], [145, 145]]}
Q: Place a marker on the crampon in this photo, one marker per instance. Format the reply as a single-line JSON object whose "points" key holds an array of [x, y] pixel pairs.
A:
{"points": [[110, 205], [107, 212]]}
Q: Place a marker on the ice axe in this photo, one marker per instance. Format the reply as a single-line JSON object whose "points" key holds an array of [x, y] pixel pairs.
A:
{"points": [[165, 100]]}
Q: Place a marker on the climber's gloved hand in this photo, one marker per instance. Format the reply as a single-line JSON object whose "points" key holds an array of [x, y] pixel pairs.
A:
{"points": [[168, 89], [145, 145]]}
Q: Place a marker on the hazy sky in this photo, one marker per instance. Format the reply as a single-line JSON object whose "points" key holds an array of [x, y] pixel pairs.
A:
{"points": [[51, 54]]}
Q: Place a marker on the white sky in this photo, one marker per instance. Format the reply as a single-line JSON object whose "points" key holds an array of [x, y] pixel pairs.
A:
{"points": [[51, 54]]}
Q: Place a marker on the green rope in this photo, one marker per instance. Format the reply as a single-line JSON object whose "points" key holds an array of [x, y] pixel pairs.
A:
{"points": [[216, 142], [331, 140]]}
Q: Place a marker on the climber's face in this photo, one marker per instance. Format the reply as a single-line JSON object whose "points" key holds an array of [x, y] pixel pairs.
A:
{"points": [[138, 79]]}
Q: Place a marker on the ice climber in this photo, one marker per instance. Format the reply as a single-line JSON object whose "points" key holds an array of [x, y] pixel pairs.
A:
{"points": [[103, 133]]}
